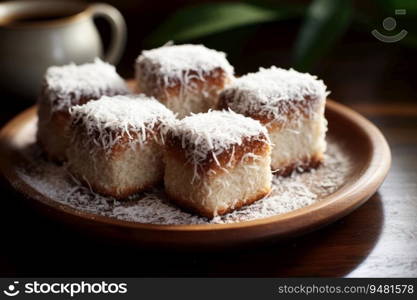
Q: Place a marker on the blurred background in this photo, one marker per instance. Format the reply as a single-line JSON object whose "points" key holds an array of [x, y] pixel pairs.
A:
{"points": [[334, 39], [330, 38]]}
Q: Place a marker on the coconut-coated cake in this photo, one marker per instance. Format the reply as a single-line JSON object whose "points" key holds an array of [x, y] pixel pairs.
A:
{"points": [[186, 78], [116, 144], [64, 87], [217, 162], [291, 105]]}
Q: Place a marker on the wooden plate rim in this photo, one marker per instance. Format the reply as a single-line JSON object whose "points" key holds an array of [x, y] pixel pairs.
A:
{"points": [[341, 202]]}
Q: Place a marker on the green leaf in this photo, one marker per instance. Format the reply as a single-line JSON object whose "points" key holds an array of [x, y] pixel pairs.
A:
{"points": [[202, 20], [325, 22]]}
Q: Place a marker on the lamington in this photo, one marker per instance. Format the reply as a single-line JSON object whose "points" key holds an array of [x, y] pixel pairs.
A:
{"points": [[64, 87], [291, 105], [186, 78], [116, 144], [217, 162]]}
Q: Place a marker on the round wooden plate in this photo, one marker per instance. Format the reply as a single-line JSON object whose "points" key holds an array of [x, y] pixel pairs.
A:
{"points": [[364, 143]]}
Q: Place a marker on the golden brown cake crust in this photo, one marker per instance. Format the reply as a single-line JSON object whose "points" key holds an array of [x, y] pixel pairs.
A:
{"points": [[123, 138], [45, 100], [290, 109], [184, 204], [303, 165], [257, 146], [60, 121], [156, 87], [114, 193]]}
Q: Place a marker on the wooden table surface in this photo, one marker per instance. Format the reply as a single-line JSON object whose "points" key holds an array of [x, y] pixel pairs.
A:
{"points": [[377, 240]]}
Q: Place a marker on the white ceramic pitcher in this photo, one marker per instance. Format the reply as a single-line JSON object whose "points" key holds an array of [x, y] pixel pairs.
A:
{"points": [[38, 34]]}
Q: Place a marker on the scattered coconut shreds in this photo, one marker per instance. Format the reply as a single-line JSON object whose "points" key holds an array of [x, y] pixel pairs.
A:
{"points": [[270, 91], [133, 114], [289, 193], [181, 62], [212, 133], [67, 85]]}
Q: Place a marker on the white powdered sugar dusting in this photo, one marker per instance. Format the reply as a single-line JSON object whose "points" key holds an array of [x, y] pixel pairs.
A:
{"points": [[67, 85], [109, 118], [179, 61], [212, 133], [288, 194], [269, 91]]}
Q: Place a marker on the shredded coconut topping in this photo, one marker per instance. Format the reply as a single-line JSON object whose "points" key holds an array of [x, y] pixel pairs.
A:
{"points": [[182, 62], [67, 85], [270, 91], [109, 118], [288, 194], [213, 132]]}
